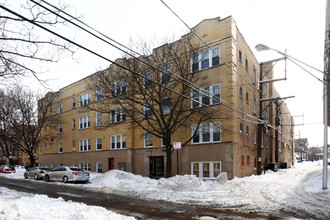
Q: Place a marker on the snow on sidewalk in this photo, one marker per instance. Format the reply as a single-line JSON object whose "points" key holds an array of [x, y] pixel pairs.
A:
{"points": [[24, 206]]}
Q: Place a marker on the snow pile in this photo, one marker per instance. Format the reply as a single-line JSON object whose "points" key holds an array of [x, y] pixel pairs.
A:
{"points": [[23, 206]]}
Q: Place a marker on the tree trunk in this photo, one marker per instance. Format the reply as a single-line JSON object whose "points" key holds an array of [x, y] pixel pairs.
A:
{"points": [[168, 172], [32, 159]]}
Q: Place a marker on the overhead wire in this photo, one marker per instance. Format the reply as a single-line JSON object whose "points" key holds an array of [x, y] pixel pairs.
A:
{"points": [[115, 63], [198, 89]]}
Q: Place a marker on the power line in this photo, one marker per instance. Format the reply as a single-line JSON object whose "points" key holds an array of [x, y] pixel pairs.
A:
{"points": [[198, 89], [115, 63]]}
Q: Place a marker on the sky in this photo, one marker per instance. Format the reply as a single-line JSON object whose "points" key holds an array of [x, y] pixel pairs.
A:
{"points": [[297, 190], [297, 26]]}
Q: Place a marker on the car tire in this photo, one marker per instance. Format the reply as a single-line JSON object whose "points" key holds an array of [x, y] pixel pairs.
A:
{"points": [[36, 176], [25, 176], [47, 178], [65, 179]]}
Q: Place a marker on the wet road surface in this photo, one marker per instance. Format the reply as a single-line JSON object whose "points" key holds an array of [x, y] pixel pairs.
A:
{"points": [[138, 208]]}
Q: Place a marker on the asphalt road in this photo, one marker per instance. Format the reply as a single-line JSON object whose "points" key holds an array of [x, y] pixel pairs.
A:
{"points": [[139, 208]]}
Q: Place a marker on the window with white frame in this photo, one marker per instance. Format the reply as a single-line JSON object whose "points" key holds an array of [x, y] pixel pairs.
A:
{"points": [[118, 88], [254, 106], [39, 149], [166, 74], [166, 105], [117, 115], [73, 123], [99, 167], [206, 170], [50, 146], [73, 145], [60, 128], [84, 122], [73, 102], [118, 141], [45, 146], [148, 140], [60, 107], [85, 99], [99, 144], [85, 166], [207, 133], [60, 147], [98, 119], [254, 76], [147, 81], [84, 145], [205, 59], [147, 109], [210, 95], [98, 95]]}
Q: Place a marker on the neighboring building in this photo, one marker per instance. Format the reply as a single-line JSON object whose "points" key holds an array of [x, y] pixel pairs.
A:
{"points": [[301, 148], [226, 145]]}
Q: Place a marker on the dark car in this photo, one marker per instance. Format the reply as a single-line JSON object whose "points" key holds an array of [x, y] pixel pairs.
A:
{"points": [[7, 169], [36, 172]]}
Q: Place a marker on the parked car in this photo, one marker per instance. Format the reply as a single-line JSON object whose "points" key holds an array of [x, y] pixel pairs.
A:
{"points": [[67, 174], [36, 172], [7, 169]]}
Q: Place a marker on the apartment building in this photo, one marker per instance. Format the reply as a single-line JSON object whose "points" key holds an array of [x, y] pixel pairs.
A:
{"points": [[225, 142]]}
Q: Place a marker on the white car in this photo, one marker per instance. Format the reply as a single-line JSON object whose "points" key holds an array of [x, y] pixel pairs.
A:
{"points": [[67, 174], [36, 172]]}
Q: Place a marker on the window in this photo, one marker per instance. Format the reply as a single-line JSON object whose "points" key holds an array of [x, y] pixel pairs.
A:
{"points": [[254, 76], [148, 140], [60, 130], [73, 102], [98, 95], [117, 115], [39, 149], [207, 133], [45, 146], [84, 122], [166, 105], [118, 88], [241, 128], [98, 119], [254, 106], [215, 56], [255, 137], [99, 167], [147, 109], [166, 74], [246, 64], [50, 146], [205, 59], [73, 145], [85, 166], [84, 99], [240, 56], [73, 123], [60, 148], [147, 81], [60, 107], [202, 59], [98, 144], [206, 170], [118, 141], [240, 92], [247, 97], [210, 96], [247, 130], [84, 145]]}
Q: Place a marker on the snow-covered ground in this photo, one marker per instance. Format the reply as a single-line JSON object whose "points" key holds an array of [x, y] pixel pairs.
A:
{"points": [[297, 190]]}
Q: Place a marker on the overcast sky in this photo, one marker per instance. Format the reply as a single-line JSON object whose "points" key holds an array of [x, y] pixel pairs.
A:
{"points": [[295, 25]]}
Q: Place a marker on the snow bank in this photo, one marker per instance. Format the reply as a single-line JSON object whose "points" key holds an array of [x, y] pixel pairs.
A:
{"points": [[23, 206]]}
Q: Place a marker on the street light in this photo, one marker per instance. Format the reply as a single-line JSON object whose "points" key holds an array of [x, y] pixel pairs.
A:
{"points": [[261, 47]]}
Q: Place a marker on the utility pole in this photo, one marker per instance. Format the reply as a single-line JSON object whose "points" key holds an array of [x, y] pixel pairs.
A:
{"points": [[260, 124], [277, 123]]}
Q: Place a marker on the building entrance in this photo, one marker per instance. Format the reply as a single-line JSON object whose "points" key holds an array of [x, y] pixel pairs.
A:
{"points": [[156, 166]]}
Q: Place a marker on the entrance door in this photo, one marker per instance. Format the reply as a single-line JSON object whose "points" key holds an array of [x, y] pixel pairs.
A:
{"points": [[156, 166], [111, 163]]}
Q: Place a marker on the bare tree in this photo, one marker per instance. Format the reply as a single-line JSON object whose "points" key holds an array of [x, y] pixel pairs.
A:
{"points": [[152, 93], [25, 117], [22, 44]]}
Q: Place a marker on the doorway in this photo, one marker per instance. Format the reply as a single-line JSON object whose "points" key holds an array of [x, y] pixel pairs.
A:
{"points": [[156, 166], [111, 163]]}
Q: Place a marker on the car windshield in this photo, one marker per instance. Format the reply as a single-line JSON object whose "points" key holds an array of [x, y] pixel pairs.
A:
{"points": [[76, 169]]}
